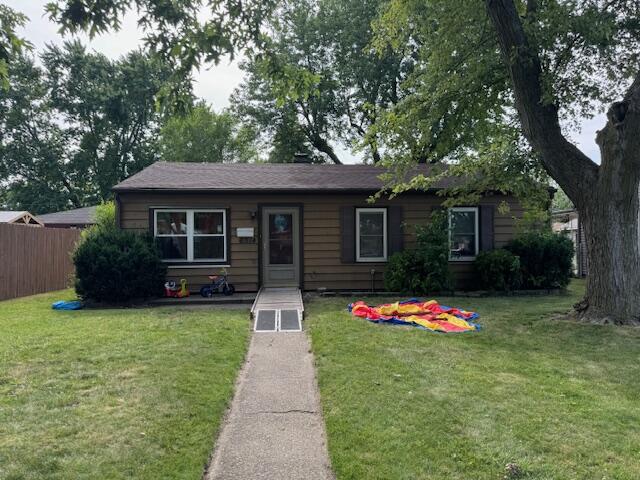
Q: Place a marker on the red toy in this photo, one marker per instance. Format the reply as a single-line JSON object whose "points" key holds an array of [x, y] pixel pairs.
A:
{"points": [[172, 290]]}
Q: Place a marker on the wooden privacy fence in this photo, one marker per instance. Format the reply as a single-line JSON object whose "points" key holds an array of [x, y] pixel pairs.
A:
{"points": [[35, 259]]}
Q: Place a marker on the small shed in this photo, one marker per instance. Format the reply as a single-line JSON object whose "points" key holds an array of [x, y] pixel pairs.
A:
{"points": [[76, 218], [19, 218]]}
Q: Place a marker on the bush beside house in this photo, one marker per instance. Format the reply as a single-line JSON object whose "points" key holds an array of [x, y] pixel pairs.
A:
{"points": [[498, 270], [532, 261], [426, 268], [115, 266], [545, 259], [529, 262]]}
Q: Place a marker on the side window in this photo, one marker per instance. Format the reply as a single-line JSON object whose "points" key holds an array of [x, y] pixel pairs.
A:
{"points": [[463, 233], [371, 234]]}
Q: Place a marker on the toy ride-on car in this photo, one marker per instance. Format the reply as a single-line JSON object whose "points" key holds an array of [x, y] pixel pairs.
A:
{"points": [[219, 283]]}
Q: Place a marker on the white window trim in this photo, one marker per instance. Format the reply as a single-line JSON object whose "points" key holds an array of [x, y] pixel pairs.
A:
{"points": [[190, 232], [475, 210], [384, 235]]}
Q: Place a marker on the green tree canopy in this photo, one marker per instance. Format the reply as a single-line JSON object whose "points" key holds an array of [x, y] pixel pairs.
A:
{"points": [[561, 201], [317, 78], [203, 135], [77, 125], [185, 33], [11, 44]]}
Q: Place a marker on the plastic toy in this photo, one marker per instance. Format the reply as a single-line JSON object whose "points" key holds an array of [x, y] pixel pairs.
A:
{"points": [[63, 305], [172, 290], [218, 283]]}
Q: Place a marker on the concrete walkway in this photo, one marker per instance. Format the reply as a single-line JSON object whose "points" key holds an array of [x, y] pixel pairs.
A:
{"points": [[275, 428]]}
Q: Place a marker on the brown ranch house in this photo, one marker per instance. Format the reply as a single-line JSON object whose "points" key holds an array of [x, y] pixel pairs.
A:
{"points": [[310, 226]]}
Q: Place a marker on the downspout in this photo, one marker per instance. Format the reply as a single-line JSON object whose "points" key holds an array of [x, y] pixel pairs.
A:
{"points": [[373, 280]]}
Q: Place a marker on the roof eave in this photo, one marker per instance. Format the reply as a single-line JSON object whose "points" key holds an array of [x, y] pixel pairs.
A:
{"points": [[258, 190]]}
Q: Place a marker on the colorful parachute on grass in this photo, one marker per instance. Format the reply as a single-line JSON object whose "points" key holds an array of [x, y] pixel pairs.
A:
{"points": [[429, 315]]}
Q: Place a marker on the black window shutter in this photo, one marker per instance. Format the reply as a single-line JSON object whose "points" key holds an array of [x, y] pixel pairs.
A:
{"points": [[348, 234], [152, 227], [396, 237], [486, 227]]}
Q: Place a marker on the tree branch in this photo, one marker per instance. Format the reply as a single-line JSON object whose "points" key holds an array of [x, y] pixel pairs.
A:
{"points": [[573, 170], [312, 134]]}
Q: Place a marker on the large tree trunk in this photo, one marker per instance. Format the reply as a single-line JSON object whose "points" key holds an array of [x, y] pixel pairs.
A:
{"points": [[606, 195], [613, 283], [610, 215]]}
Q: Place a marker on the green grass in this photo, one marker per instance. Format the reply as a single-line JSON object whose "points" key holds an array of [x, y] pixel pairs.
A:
{"points": [[110, 394], [558, 398]]}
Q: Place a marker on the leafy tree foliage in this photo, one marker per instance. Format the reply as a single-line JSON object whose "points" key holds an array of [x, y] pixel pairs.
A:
{"points": [[462, 91], [203, 135], [561, 201], [280, 133], [105, 220], [11, 45], [319, 78], [185, 33], [77, 125]]}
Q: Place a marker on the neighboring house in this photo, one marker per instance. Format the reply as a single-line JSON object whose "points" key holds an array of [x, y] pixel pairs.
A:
{"points": [[19, 218], [76, 218], [568, 223], [294, 224]]}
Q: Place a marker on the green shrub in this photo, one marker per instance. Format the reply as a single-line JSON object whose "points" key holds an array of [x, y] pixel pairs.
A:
{"points": [[105, 219], [106, 215], [545, 259], [498, 270], [404, 273], [115, 266], [425, 269]]}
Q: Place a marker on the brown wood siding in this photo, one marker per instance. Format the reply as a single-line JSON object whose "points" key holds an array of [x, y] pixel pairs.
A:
{"points": [[35, 260], [323, 267]]}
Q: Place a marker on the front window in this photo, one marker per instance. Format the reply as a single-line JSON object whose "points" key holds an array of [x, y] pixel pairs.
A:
{"points": [[191, 235], [463, 233], [371, 234]]}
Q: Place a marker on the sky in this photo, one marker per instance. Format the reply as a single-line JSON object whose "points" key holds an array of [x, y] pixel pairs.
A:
{"points": [[214, 83]]}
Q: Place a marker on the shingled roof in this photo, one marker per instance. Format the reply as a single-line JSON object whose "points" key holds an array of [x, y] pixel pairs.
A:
{"points": [[164, 176], [78, 217]]}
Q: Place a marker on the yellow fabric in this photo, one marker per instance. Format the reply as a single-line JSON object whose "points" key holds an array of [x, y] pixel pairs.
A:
{"points": [[425, 323], [404, 309], [456, 321], [436, 326], [388, 309], [415, 308]]}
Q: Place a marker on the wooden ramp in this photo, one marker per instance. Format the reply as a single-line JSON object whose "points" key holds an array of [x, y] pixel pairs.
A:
{"points": [[278, 310]]}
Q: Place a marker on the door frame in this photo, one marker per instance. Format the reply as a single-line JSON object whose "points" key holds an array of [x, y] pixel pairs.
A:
{"points": [[300, 207]]}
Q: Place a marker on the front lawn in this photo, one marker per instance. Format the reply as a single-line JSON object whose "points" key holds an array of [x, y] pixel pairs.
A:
{"points": [[130, 393], [557, 398]]}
